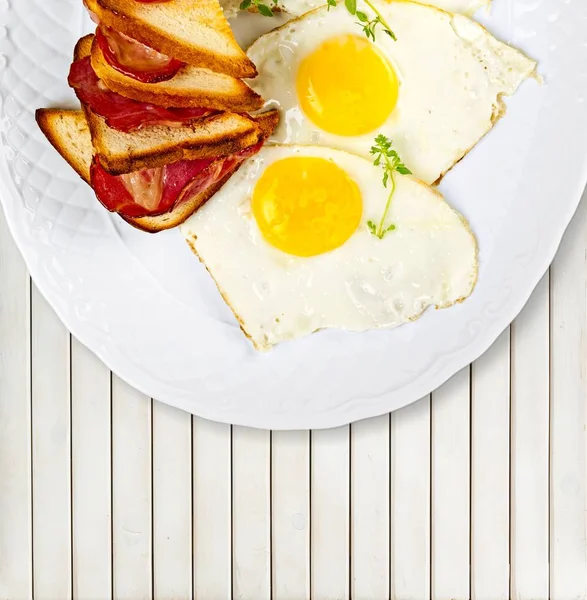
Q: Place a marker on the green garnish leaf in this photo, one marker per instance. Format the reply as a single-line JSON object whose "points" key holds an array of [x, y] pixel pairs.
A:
{"points": [[389, 159], [367, 25], [264, 10], [390, 34], [351, 6]]}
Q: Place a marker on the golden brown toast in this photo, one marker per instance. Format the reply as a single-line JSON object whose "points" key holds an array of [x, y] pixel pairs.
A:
{"points": [[191, 87], [158, 145], [83, 47], [155, 146], [193, 31], [68, 132]]}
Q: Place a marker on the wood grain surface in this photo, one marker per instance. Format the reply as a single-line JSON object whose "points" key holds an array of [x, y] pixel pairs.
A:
{"points": [[478, 491]]}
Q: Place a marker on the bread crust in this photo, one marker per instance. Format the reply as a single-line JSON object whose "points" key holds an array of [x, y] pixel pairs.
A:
{"points": [[69, 133], [267, 123], [49, 121], [136, 20], [187, 89], [83, 48], [168, 151], [118, 151], [180, 213]]}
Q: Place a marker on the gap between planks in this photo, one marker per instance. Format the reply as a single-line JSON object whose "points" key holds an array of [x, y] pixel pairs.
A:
{"points": [[544, 508]]}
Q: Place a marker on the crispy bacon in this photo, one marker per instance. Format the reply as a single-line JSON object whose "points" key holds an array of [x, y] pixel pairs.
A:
{"points": [[152, 192], [123, 113], [136, 60]]}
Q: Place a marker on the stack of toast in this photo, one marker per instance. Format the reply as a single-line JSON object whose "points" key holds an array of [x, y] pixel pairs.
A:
{"points": [[164, 117]]}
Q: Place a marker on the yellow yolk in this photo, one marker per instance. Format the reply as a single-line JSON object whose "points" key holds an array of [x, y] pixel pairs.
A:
{"points": [[347, 87], [306, 206]]}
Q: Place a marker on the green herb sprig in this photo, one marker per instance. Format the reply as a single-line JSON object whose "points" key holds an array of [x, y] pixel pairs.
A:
{"points": [[368, 25], [263, 8], [389, 159]]}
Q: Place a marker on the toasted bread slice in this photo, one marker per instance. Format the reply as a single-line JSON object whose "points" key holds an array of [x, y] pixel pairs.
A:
{"points": [[193, 31], [190, 87], [68, 132], [267, 123], [156, 146], [83, 47]]}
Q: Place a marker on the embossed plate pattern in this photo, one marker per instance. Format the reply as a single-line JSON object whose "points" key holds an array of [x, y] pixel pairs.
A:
{"points": [[146, 307]]}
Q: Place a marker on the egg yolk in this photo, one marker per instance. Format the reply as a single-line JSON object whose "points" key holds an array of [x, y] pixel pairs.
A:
{"points": [[306, 206], [347, 87]]}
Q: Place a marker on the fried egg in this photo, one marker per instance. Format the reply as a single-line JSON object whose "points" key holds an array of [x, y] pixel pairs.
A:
{"points": [[288, 241], [299, 7], [435, 91]]}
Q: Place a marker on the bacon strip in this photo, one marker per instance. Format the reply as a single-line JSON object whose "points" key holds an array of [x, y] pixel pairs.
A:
{"points": [[123, 113], [134, 59], [181, 181]]}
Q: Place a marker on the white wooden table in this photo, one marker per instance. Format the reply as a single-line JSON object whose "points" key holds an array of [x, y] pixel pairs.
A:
{"points": [[478, 491]]}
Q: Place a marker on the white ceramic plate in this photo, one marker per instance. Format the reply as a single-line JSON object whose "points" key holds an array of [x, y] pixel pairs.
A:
{"points": [[147, 308]]}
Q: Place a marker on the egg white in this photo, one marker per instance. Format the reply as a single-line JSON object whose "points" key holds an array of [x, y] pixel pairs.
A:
{"points": [[452, 75], [429, 260], [299, 7]]}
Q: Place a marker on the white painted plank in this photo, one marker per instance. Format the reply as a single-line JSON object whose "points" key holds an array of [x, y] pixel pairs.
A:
{"points": [[529, 453], [91, 475], [568, 544], [51, 453], [330, 513], [212, 510], [450, 489], [15, 422], [172, 503], [370, 508], [490, 485], [131, 493], [290, 497], [410, 502], [251, 513]]}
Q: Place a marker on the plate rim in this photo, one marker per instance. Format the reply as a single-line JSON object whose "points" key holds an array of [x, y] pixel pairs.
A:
{"points": [[341, 414], [407, 395]]}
